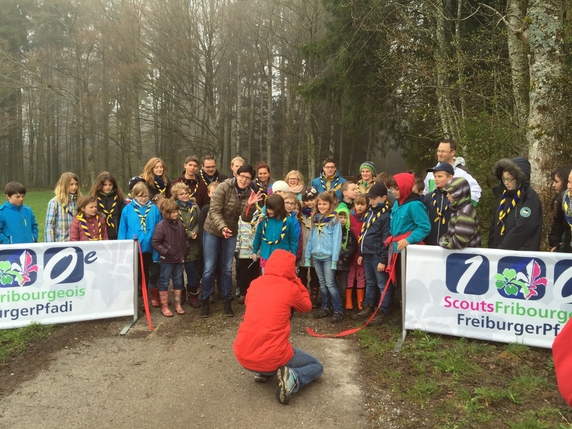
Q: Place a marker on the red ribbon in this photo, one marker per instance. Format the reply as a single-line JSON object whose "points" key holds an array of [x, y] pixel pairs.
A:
{"points": [[144, 289]]}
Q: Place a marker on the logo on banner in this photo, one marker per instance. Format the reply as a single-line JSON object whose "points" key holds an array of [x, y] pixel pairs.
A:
{"points": [[465, 273], [563, 279], [521, 278], [65, 265], [18, 267]]}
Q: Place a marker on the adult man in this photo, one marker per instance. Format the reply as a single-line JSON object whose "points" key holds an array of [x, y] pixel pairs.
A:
{"points": [[446, 153], [262, 344], [329, 179], [209, 173], [198, 189]]}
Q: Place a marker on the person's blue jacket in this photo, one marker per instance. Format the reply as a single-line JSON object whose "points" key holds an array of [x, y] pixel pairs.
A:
{"points": [[273, 231], [334, 184], [326, 244], [412, 216], [17, 224], [131, 227]]}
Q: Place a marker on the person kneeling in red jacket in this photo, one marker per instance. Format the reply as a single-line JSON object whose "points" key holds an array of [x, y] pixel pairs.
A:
{"points": [[262, 344], [562, 354]]}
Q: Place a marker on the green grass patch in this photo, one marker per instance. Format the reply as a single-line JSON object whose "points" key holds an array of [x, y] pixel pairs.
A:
{"points": [[37, 200], [458, 382], [15, 341]]}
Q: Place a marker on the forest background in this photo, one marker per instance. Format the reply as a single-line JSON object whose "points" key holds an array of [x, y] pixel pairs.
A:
{"points": [[93, 85]]}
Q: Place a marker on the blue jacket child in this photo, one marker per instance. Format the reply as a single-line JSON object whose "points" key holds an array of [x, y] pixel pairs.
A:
{"points": [[17, 221], [139, 221]]}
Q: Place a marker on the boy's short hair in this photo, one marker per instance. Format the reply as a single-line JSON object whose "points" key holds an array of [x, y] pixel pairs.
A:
{"points": [[345, 186], [419, 184], [361, 199], [168, 206], [12, 188], [212, 186], [140, 189], [177, 188], [192, 158]]}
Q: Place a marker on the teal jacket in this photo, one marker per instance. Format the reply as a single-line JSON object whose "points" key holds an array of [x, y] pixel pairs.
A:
{"points": [[273, 231], [17, 224]]}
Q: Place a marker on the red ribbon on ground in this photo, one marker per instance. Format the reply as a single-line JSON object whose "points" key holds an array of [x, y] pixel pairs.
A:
{"points": [[144, 289], [391, 270]]}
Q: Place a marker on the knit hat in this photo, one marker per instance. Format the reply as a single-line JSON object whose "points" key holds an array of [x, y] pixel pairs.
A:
{"points": [[134, 180], [309, 193], [280, 185], [369, 165]]}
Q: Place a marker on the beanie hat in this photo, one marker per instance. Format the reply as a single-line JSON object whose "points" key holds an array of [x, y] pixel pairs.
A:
{"points": [[134, 180], [280, 185], [309, 193], [369, 165]]}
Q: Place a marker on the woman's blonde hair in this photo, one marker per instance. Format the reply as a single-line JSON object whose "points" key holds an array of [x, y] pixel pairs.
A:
{"points": [[63, 188], [148, 175], [298, 175]]}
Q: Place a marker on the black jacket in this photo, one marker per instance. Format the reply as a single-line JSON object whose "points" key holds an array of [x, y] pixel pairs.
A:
{"points": [[560, 230], [374, 237], [437, 228], [347, 254]]}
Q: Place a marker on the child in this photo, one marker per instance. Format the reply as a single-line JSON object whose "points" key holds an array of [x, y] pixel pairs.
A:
{"points": [[138, 220], [373, 254], [559, 237], [189, 215], [323, 248], [419, 187], [276, 231], [357, 272], [62, 209], [246, 268], [155, 176], [17, 221], [308, 275], [464, 224], [349, 192], [109, 200], [437, 203], [291, 205], [88, 225], [170, 241], [349, 247]]}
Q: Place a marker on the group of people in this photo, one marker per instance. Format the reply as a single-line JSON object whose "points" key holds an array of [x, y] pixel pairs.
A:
{"points": [[332, 245]]}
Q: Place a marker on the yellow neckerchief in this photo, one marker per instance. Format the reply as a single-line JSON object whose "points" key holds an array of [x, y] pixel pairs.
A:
{"points": [[282, 232], [108, 214], [83, 224], [334, 182], [566, 206], [158, 187], [143, 218], [205, 180], [370, 219], [504, 213], [324, 222], [440, 214], [187, 229]]}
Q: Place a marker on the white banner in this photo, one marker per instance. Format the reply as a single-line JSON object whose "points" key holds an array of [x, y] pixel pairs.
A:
{"points": [[490, 294], [65, 282]]}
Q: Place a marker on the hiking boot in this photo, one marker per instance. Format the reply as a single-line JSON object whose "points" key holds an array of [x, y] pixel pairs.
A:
{"points": [[364, 314], [286, 384], [228, 308], [379, 318], [337, 317], [260, 378], [193, 299], [321, 313], [205, 309]]}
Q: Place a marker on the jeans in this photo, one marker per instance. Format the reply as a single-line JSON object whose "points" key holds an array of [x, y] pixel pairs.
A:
{"points": [[212, 246], [327, 278], [166, 272], [191, 271], [375, 280], [306, 368]]}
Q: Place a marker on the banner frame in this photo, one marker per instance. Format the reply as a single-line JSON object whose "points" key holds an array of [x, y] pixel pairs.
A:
{"points": [[135, 292]]}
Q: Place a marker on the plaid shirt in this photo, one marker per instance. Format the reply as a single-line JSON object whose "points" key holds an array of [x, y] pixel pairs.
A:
{"points": [[58, 222]]}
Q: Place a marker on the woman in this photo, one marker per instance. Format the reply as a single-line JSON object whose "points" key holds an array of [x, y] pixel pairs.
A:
{"points": [[559, 237], [517, 219], [155, 176], [263, 180], [295, 182], [366, 177]]}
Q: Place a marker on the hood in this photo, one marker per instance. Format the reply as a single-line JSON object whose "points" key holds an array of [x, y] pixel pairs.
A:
{"points": [[458, 161], [518, 167], [460, 190], [405, 182], [342, 208], [281, 264]]}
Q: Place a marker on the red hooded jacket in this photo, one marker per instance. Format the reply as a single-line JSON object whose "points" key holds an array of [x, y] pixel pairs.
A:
{"points": [[262, 343], [562, 354]]}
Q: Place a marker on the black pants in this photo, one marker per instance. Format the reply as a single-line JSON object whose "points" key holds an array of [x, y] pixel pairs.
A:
{"points": [[245, 275], [150, 270]]}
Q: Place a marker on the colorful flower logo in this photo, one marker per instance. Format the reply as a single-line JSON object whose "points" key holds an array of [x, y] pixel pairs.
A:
{"points": [[18, 271], [524, 284]]}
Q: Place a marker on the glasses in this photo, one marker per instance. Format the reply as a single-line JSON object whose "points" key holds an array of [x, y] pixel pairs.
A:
{"points": [[507, 180], [443, 151], [292, 179], [289, 203], [243, 177], [183, 193]]}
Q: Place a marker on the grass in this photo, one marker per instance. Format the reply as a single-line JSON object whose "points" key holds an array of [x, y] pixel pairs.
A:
{"points": [[458, 382], [15, 341], [37, 200]]}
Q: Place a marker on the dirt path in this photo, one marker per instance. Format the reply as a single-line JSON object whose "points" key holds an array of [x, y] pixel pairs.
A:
{"points": [[182, 375]]}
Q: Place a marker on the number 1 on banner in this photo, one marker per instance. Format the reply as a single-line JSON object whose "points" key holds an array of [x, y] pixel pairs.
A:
{"points": [[474, 263]]}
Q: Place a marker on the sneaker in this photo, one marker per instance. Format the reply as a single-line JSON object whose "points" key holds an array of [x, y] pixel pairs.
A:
{"points": [[364, 314], [286, 384], [321, 313], [379, 318], [337, 317], [260, 378]]}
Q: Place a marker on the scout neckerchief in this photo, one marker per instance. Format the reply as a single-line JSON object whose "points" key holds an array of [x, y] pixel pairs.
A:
{"points": [[566, 208], [66, 207], [160, 185], [282, 231], [503, 213], [322, 221], [334, 184], [142, 218], [192, 192], [108, 214], [440, 214], [202, 174], [263, 189], [83, 224], [370, 219], [188, 206]]}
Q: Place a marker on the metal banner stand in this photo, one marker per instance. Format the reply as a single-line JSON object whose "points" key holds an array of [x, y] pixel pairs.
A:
{"points": [[403, 283], [135, 294]]}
